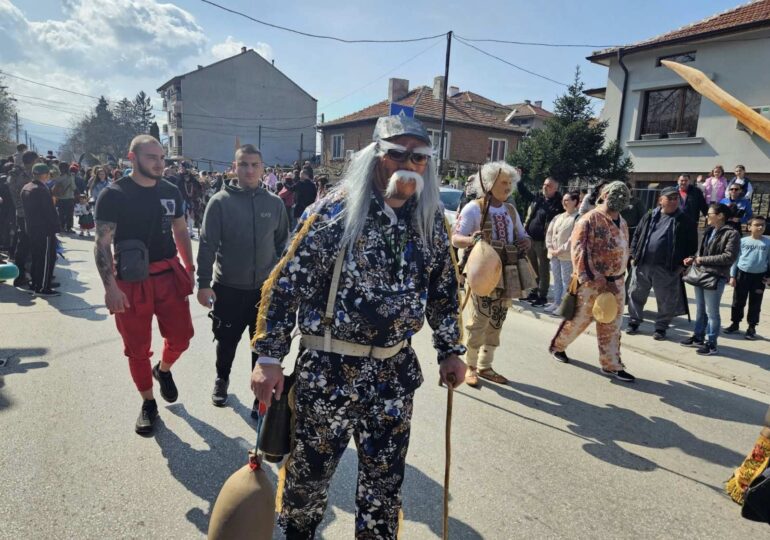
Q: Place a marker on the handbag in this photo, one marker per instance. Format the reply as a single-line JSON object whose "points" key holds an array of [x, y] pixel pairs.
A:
{"points": [[568, 305], [697, 276], [133, 256]]}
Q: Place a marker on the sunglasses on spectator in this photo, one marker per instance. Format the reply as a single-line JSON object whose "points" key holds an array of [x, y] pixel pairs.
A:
{"points": [[399, 154]]}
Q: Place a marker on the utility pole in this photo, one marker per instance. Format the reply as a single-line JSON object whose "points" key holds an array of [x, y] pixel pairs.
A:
{"points": [[17, 128], [259, 142], [301, 147], [443, 105], [26, 138]]}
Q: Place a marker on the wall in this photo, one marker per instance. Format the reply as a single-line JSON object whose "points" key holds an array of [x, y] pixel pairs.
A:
{"points": [[234, 94], [739, 67]]}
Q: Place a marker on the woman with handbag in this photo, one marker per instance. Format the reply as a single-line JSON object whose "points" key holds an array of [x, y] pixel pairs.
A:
{"points": [[708, 273], [557, 242]]}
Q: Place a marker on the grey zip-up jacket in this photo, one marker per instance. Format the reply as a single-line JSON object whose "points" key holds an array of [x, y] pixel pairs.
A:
{"points": [[244, 233]]}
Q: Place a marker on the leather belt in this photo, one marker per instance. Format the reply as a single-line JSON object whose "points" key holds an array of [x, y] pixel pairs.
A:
{"points": [[336, 346], [614, 278]]}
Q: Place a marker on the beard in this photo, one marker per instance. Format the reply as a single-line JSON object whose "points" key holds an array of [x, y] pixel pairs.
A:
{"points": [[403, 184], [147, 172]]}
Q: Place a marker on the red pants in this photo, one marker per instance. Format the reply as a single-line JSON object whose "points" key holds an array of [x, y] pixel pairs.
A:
{"points": [[164, 294]]}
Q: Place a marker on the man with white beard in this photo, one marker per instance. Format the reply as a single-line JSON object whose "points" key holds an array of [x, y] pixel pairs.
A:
{"points": [[369, 263]]}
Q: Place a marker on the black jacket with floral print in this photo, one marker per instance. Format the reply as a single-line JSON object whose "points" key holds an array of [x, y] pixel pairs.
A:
{"points": [[390, 282]]}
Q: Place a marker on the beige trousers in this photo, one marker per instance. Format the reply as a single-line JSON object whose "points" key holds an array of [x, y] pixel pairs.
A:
{"points": [[482, 330]]}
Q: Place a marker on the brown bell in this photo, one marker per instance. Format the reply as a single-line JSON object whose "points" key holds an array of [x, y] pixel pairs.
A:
{"points": [[483, 269], [245, 507]]}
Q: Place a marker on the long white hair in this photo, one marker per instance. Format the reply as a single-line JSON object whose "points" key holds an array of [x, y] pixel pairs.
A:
{"points": [[489, 174], [357, 187]]}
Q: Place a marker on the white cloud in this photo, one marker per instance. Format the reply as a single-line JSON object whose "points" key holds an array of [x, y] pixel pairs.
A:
{"points": [[231, 47], [103, 47]]}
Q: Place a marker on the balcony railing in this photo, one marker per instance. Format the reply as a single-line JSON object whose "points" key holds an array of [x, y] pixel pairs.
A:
{"points": [[175, 151], [165, 129]]}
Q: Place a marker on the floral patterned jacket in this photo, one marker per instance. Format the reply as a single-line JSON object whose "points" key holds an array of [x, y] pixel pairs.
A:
{"points": [[390, 283], [599, 246]]}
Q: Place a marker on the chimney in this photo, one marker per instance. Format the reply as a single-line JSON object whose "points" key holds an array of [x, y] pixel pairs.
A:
{"points": [[200, 66], [528, 102], [397, 89], [438, 87], [453, 91], [539, 104], [243, 49], [272, 61]]}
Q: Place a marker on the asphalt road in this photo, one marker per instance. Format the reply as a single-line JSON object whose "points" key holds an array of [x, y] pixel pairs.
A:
{"points": [[560, 452]]}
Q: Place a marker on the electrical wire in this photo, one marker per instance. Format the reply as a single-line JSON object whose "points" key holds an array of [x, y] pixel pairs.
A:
{"points": [[537, 44], [319, 36], [525, 70]]}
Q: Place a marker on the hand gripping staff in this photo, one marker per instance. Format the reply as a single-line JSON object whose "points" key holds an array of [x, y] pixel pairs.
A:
{"points": [[244, 509]]}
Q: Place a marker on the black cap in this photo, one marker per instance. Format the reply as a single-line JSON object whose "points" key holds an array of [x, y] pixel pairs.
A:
{"points": [[669, 191]]}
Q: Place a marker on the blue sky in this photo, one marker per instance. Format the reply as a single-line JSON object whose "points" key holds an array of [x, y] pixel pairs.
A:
{"points": [[118, 47]]}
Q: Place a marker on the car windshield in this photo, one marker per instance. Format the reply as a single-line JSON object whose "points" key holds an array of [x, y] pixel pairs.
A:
{"points": [[451, 199]]}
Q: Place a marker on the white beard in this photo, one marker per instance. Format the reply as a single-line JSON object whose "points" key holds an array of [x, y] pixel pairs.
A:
{"points": [[404, 177]]}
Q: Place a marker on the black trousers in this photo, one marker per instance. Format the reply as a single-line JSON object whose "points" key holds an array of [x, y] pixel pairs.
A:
{"points": [[234, 311], [748, 286], [21, 246], [43, 251], [66, 208]]}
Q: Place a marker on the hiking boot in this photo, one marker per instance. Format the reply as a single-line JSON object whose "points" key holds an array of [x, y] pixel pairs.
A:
{"points": [[219, 395], [167, 387], [751, 332], [731, 329], [692, 341], [540, 301], [632, 329], [561, 356], [21, 282], [147, 416], [707, 349], [620, 374], [46, 292], [659, 335]]}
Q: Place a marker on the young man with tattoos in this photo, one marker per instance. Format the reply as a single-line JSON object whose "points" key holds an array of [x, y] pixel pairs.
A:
{"points": [[144, 211]]}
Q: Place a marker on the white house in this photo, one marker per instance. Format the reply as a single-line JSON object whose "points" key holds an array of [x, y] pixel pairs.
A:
{"points": [[664, 125]]}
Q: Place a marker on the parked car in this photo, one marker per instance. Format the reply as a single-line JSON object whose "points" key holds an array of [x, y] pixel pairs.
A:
{"points": [[450, 199]]}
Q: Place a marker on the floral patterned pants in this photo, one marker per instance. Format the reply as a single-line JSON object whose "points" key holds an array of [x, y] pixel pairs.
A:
{"points": [[608, 334], [336, 398]]}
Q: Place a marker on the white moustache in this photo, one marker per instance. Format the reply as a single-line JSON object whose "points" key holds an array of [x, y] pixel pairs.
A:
{"points": [[404, 177]]}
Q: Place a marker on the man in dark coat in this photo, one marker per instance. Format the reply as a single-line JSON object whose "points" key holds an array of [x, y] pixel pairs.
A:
{"points": [[691, 199]]}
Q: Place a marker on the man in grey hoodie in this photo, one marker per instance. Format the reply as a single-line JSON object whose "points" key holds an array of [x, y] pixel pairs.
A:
{"points": [[245, 229]]}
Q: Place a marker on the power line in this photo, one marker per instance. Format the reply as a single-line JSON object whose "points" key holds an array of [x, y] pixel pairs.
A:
{"points": [[525, 70], [319, 36], [537, 44]]}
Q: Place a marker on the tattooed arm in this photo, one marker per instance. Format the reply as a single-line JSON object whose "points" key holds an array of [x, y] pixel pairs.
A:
{"points": [[116, 300]]}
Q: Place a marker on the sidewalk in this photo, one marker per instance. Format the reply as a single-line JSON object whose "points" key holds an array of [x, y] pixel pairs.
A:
{"points": [[744, 362]]}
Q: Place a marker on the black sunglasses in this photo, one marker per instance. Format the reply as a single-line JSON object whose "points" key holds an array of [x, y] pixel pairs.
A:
{"points": [[400, 156]]}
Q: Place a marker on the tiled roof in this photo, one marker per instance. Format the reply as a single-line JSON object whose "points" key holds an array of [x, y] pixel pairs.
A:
{"points": [[475, 99], [756, 13], [528, 109], [458, 110]]}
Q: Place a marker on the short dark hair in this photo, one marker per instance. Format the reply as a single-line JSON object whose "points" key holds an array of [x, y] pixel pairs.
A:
{"points": [[248, 149], [29, 157], [722, 209], [21, 147], [741, 167], [685, 175], [573, 195], [761, 219], [64, 168]]}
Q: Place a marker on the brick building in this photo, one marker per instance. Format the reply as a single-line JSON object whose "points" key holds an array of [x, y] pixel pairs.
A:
{"points": [[476, 127]]}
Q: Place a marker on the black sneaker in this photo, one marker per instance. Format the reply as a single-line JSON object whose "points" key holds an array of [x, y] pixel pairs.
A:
{"points": [[707, 349], [531, 297], [54, 285], [147, 416], [540, 301], [692, 341], [560, 356], [219, 395], [46, 292], [659, 335], [731, 329], [167, 387], [621, 375], [751, 332], [21, 282], [632, 329]]}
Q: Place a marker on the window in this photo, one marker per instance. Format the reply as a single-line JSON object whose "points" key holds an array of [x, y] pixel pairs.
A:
{"points": [[671, 111], [179, 142], [338, 146], [435, 136], [682, 58], [498, 148]]}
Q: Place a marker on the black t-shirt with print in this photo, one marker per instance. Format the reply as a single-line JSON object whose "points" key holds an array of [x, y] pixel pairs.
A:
{"points": [[142, 213]]}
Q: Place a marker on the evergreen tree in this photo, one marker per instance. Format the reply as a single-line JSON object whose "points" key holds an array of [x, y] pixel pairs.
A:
{"points": [[571, 144], [143, 112], [7, 121]]}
